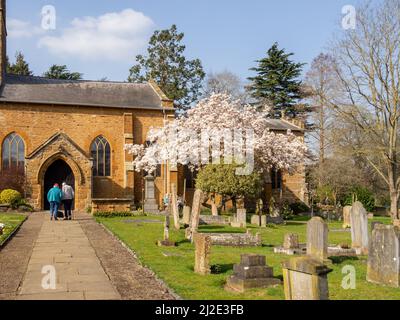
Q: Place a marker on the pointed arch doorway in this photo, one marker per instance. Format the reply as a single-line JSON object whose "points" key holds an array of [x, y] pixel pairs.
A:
{"points": [[58, 172]]}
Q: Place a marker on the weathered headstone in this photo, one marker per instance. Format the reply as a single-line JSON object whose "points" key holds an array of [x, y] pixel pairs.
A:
{"points": [[291, 241], [186, 215], [384, 256], [359, 228], [240, 219], [150, 203], [305, 278], [346, 217], [195, 217], [317, 239], [166, 242], [263, 221], [374, 224], [174, 206], [252, 272], [202, 244]]}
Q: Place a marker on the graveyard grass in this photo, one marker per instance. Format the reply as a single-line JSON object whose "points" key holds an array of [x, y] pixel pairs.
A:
{"points": [[12, 222], [175, 265]]}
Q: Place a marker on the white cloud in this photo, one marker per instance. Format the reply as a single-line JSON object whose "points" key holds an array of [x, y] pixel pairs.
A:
{"points": [[111, 36], [22, 29]]}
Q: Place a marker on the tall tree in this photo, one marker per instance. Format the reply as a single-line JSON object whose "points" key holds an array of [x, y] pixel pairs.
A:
{"points": [[368, 66], [225, 82], [320, 82], [180, 79], [20, 66], [276, 82], [61, 72]]}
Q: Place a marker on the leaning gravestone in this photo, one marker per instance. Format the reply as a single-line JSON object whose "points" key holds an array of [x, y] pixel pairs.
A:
{"points": [[186, 215], [252, 272], [195, 217], [359, 228], [317, 239], [384, 256], [174, 206], [305, 278], [202, 244], [346, 217]]}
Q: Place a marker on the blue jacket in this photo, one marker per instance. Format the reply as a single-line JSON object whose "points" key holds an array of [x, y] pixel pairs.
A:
{"points": [[54, 195]]}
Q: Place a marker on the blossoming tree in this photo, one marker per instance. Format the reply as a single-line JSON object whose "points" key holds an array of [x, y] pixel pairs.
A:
{"points": [[219, 128]]}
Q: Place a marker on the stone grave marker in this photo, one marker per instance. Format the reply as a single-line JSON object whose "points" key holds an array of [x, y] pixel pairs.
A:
{"points": [[346, 217], [174, 207], [384, 256], [166, 242], [317, 239], [291, 241], [195, 216], [252, 272], [202, 244], [186, 215], [240, 219], [359, 228], [305, 278]]}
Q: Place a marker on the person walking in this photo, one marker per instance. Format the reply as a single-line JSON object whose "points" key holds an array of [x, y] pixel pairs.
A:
{"points": [[67, 199], [54, 197]]}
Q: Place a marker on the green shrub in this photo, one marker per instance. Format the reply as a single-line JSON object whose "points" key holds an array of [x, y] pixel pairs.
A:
{"points": [[9, 196], [22, 205], [114, 214], [363, 195], [287, 212], [299, 207]]}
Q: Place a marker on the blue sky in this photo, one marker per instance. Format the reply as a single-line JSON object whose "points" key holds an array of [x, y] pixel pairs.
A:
{"points": [[105, 37]]}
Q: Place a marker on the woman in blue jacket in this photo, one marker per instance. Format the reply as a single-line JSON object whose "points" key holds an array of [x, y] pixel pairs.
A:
{"points": [[54, 196]]}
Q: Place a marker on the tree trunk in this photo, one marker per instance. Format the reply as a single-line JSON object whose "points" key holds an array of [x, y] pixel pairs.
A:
{"points": [[394, 204]]}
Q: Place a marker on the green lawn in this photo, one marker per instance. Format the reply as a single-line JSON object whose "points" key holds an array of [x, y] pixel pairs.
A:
{"points": [[176, 269], [12, 221]]}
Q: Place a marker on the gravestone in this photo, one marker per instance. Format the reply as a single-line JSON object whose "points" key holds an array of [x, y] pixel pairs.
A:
{"points": [[202, 244], [174, 207], [260, 221], [240, 219], [186, 215], [166, 242], [150, 203], [252, 272], [359, 228], [317, 239], [291, 241], [305, 278], [384, 256], [346, 217], [195, 217], [374, 224]]}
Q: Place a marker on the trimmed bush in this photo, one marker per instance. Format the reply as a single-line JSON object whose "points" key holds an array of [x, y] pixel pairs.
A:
{"points": [[363, 195], [299, 207], [9, 196], [112, 214]]}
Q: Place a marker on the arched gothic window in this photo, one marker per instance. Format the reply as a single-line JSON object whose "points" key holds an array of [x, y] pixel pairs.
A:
{"points": [[101, 153], [13, 152]]}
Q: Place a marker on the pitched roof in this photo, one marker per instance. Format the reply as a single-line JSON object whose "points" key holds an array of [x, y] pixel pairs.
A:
{"points": [[31, 89], [282, 125]]}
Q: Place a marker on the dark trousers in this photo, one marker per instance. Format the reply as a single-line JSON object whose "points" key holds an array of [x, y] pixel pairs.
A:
{"points": [[67, 207]]}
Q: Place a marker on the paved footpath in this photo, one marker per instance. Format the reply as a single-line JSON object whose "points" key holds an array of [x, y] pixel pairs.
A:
{"points": [[79, 274], [89, 263]]}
